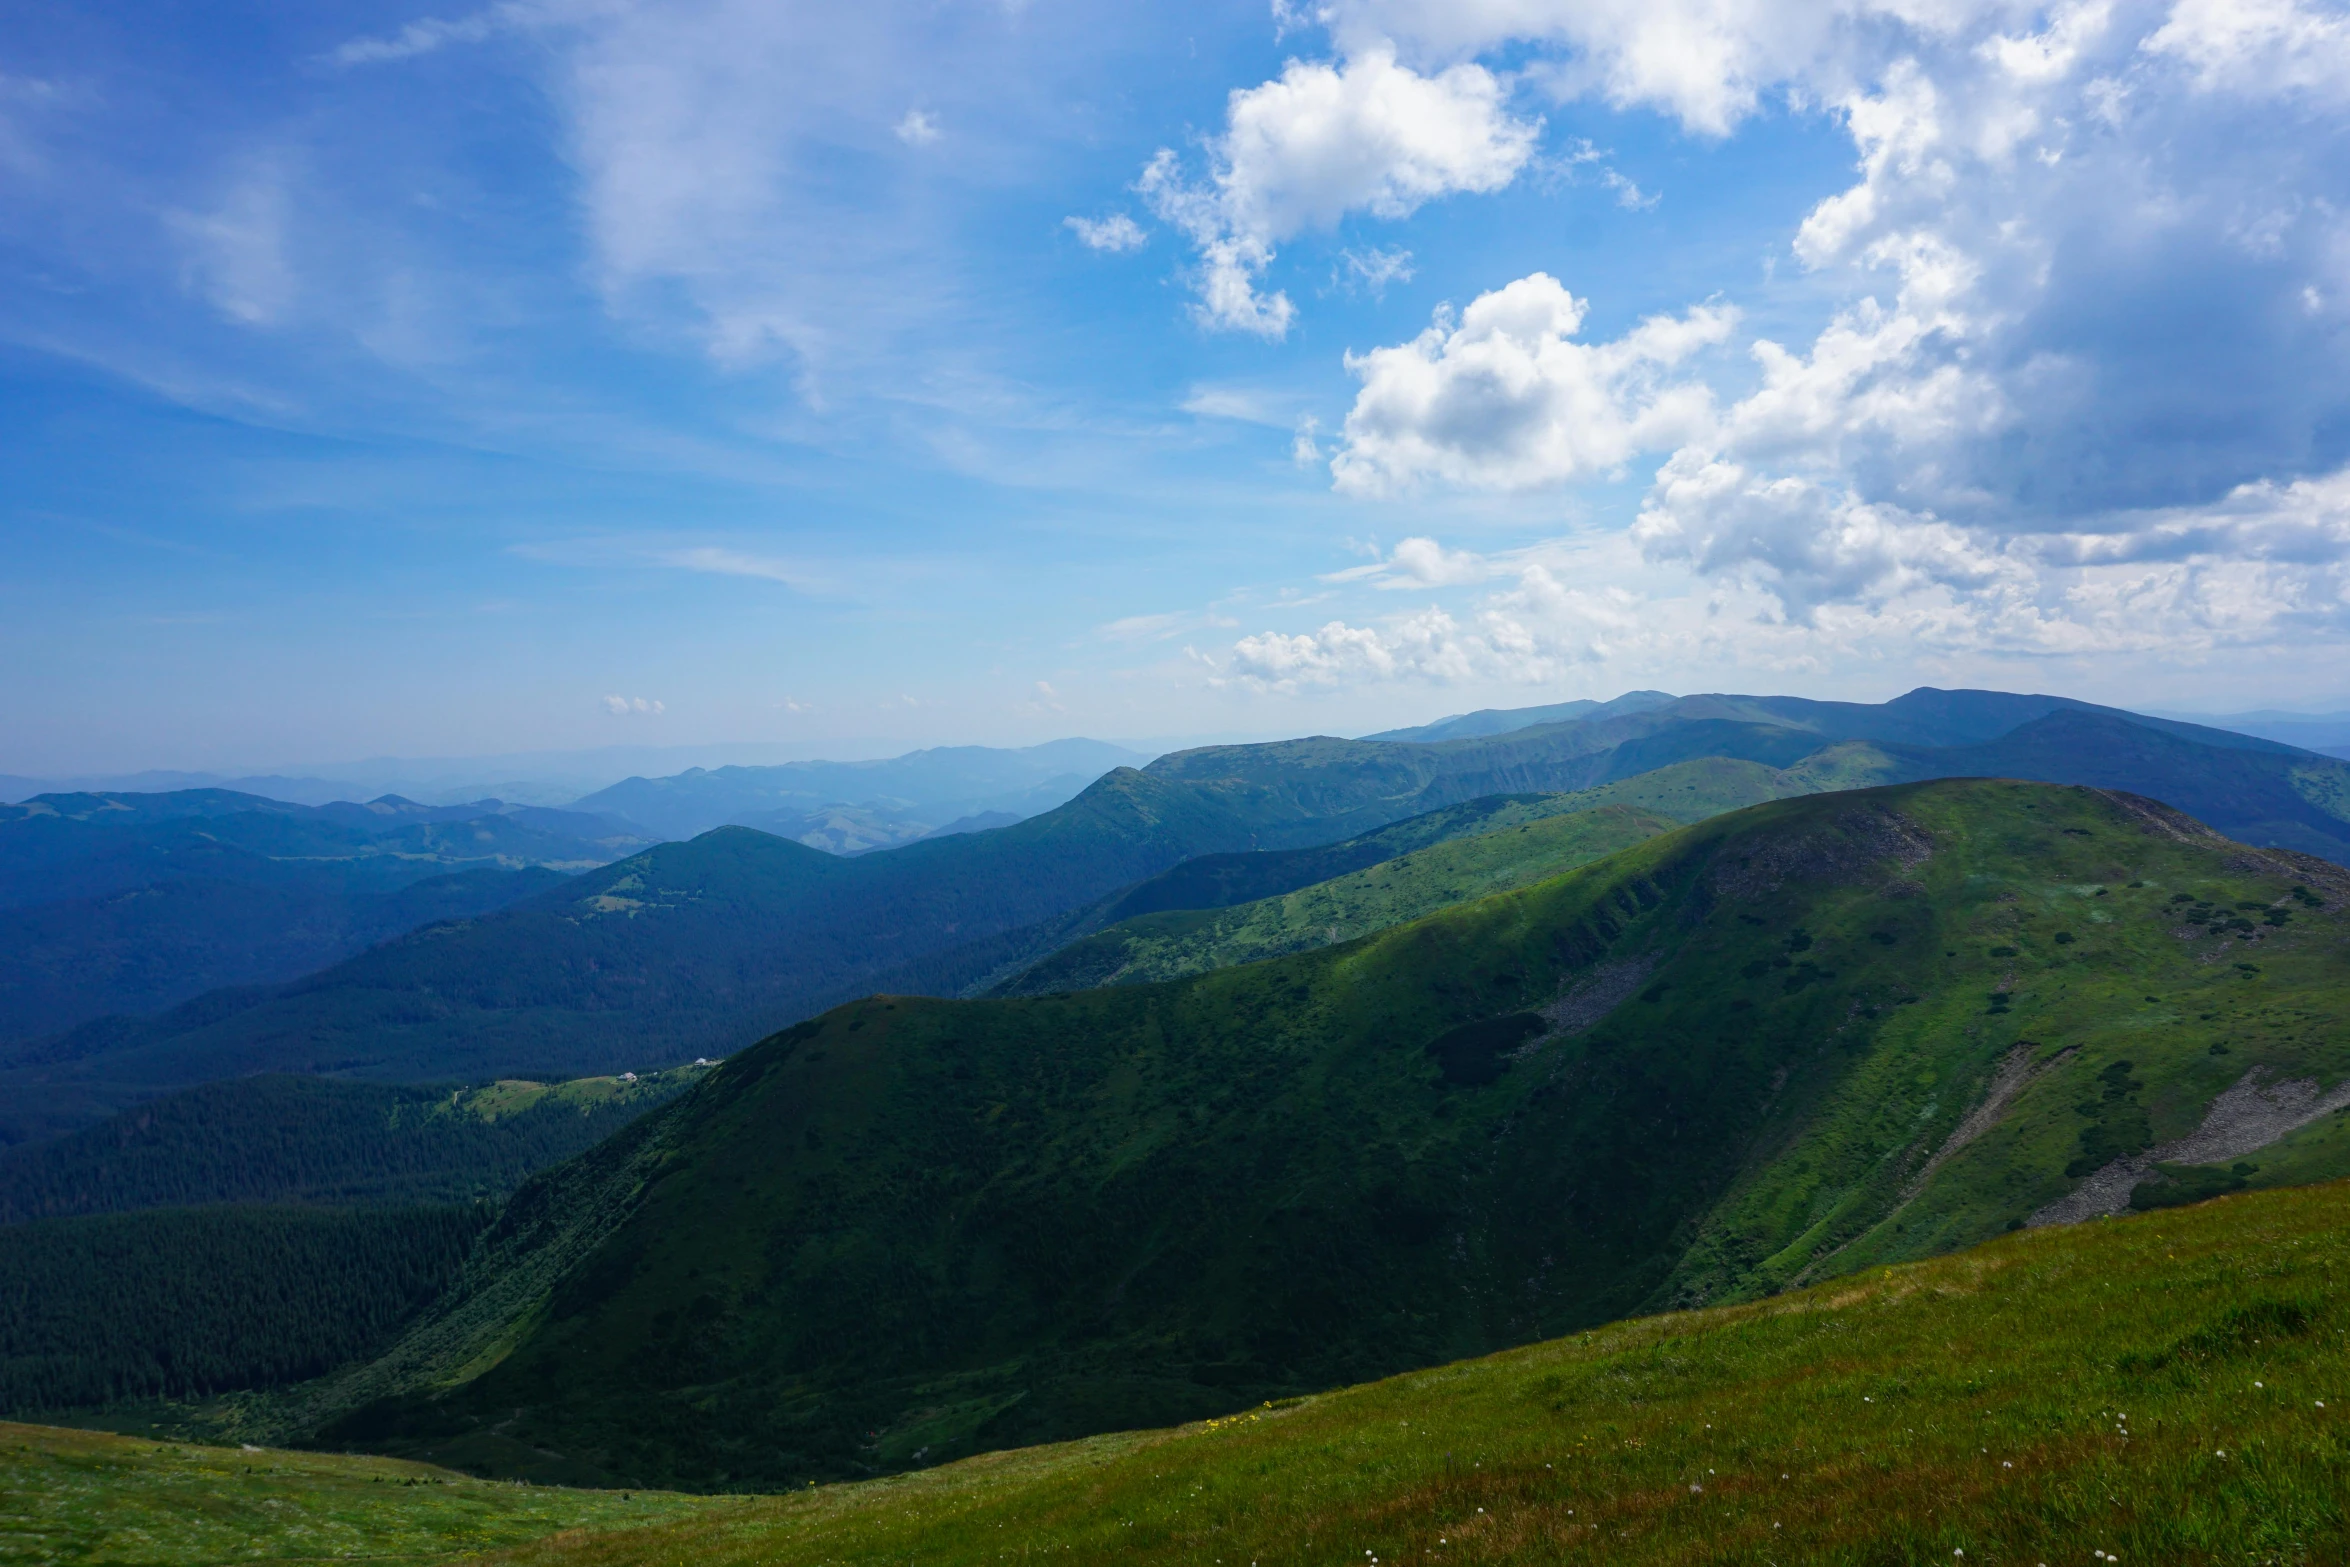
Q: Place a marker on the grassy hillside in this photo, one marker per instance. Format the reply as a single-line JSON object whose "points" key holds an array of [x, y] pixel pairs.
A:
{"points": [[179, 1303], [1786, 1042], [1153, 947], [276, 1139], [82, 1499], [2165, 1389]]}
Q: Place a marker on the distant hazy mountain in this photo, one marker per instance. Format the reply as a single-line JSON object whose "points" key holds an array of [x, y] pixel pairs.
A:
{"points": [[115, 903], [1502, 720], [2328, 732], [695, 948], [848, 807]]}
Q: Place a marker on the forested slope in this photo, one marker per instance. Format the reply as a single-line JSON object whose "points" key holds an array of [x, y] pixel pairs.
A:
{"points": [[183, 1303], [317, 1140]]}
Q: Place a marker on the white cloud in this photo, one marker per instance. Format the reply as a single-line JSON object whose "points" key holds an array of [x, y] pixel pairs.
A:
{"points": [[739, 563], [1304, 449], [2074, 367], [1706, 62], [1504, 397], [1115, 233], [235, 252], [1812, 543], [632, 706], [1371, 270], [917, 129], [2257, 46], [1419, 562], [428, 35], [1244, 403], [1321, 141], [2266, 568]]}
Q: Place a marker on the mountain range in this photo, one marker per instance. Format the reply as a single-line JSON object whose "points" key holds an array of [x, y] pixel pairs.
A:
{"points": [[850, 807], [696, 948]]}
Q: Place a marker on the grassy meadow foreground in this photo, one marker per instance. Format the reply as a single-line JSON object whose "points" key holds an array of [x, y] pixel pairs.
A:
{"points": [[2169, 1388]]}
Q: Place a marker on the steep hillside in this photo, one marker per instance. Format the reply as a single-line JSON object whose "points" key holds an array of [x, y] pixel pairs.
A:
{"points": [[1148, 948], [322, 1141], [1789, 1041]]}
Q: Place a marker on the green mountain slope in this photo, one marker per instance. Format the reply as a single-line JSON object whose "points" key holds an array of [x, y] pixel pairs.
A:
{"points": [[318, 1140], [1784, 1042], [2161, 1390], [1154, 947]]}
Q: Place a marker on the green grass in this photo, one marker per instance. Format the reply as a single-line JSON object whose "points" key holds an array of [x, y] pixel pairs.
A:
{"points": [[1156, 947], [74, 1497], [2149, 1387]]}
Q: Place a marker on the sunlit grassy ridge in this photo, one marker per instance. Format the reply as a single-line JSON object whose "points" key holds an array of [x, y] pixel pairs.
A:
{"points": [[2166, 1389]]}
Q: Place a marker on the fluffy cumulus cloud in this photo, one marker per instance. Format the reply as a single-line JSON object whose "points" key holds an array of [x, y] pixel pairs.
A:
{"points": [[1505, 396], [1323, 140], [2082, 381]]}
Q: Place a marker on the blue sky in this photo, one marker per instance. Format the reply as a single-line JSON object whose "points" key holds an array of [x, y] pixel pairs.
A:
{"points": [[553, 373]]}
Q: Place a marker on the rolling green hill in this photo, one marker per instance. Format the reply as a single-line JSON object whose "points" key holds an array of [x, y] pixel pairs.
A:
{"points": [[316, 1140], [2165, 1389], [1148, 948], [1784, 1043]]}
